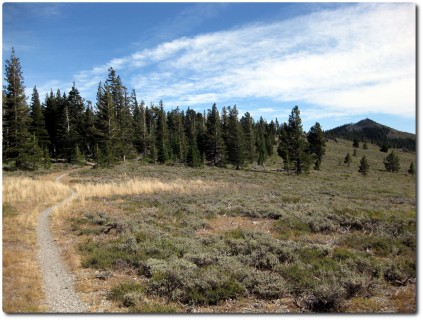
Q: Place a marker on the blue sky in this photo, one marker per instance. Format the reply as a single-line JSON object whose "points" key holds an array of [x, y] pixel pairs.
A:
{"points": [[339, 63]]}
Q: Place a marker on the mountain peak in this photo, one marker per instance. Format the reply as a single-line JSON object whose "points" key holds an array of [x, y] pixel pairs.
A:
{"points": [[365, 123], [374, 132]]}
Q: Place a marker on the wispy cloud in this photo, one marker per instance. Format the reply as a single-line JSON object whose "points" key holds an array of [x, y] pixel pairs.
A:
{"points": [[350, 60]]}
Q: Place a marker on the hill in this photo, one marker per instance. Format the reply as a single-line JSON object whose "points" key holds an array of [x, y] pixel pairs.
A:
{"points": [[379, 134]]}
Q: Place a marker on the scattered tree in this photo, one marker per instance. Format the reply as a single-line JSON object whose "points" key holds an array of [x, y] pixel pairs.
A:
{"points": [[391, 162], [411, 169], [292, 143], [355, 152], [317, 144], [364, 166], [356, 143], [384, 148], [348, 159]]}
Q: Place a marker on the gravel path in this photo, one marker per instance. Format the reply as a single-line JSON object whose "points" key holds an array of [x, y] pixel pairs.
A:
{"points": [[58, 281]]}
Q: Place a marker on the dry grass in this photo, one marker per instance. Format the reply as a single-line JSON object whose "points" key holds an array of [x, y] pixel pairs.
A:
{"points": [[139, 186], [23, 199]]}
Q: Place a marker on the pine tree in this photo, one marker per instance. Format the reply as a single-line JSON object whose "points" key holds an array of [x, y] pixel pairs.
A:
{"points": [[411, 169], [234, 143], [16, 119], [77, 156], [193, 158], [269, 137], [123, 142], [46, 158], [364, 166], [51, 117], [384, 147], [247, 124], [355, 152], [136, 113], [261, 142], [150, 116], [348, 159], [64, 138], [215, 152], [391, 162], [76, 109], [177, 138], [292, 144], [31, 155], [140, 125], [38, 123], [106, 126], [356, 143], [89, 132], [161, 138], [365, 147], [317, 144], [201, 136]]}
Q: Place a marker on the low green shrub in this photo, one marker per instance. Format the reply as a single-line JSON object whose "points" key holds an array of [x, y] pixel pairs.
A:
{"points": [[126, 293], [182, 281], [266, 285]]}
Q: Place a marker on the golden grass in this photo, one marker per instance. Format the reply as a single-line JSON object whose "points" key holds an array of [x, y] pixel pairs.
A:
{"points": [[22, 280], [140, 186]]}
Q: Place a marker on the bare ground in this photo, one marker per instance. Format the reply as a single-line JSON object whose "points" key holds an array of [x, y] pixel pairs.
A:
{"points": [[58, 281]]}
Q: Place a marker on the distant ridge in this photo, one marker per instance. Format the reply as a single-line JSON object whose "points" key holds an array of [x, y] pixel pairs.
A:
{"points": [[371, 131]]}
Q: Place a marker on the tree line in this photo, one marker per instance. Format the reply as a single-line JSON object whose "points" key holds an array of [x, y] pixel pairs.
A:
{"points": [[119, 127]]}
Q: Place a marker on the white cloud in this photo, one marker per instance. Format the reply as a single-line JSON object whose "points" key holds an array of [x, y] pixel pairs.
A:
{"points": [[355, 59]]}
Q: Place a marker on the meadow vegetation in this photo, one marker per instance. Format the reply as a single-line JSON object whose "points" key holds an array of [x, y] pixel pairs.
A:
{"points": [[173, 238]]}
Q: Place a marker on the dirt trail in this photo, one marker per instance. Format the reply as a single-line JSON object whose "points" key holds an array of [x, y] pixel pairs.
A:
{"points": [[58, 281]]}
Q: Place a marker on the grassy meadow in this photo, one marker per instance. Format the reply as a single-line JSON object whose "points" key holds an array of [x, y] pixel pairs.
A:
{"points": [[150, 238]]}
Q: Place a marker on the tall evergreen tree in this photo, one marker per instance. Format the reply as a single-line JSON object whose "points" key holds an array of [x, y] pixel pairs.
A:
{"points": [[161, 138], [51, 116], [292, 143], [177, 138], [76, 114], [247, 124], [65, 145], [136, 113], [215, 152], [269, 137], [234, 139], [16, 119], [150, 116], [201, 136], [261, 142], [89, 132], [106, 123], [317, 144], [38, 123], [123, 117], [193, 154]]}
